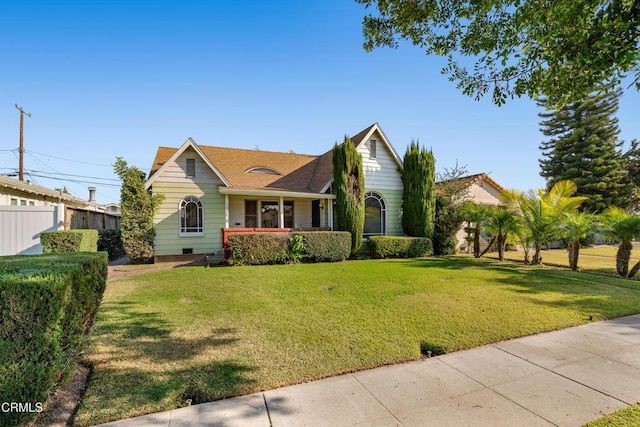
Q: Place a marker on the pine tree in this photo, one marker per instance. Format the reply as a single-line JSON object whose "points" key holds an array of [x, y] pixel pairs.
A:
{"points": [[419, 201], [348, 184], [583, 147]]}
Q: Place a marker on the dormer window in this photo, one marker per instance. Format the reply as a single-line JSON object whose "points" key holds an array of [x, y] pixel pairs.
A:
{"points": [[191, 168], [262, 170], [372, 148]]}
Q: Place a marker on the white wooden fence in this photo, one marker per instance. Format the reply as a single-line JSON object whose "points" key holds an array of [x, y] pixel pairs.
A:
{"points": [[20, 227]]}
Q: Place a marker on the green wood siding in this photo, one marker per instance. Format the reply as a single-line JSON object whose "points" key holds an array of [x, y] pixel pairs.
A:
{"points": [[168, 240]]}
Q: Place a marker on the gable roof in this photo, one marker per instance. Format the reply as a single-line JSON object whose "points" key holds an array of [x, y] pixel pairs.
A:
{"points": [[26, 187], [243, 169], [472, 179], [167, 155], [324, 174]]}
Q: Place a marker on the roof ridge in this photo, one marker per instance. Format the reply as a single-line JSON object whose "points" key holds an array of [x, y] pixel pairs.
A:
{"points": [[258, 151]]}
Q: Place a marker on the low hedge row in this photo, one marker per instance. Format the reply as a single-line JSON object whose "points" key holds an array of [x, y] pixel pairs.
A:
{"points": [[279, 248], [326, 246], [400, 247], [54, 242], [47, 303]]}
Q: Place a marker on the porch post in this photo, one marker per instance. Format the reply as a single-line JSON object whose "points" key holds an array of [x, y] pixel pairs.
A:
{"points": [[226, 211], [281, 212], [330, 213]]}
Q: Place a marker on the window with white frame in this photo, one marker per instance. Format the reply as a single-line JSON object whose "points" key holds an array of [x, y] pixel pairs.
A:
{"points": [[375, 215], [191, 216]]}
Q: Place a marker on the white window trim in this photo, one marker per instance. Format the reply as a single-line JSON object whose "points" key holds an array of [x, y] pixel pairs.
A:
{"points": [[201, 213], [383, 212]]}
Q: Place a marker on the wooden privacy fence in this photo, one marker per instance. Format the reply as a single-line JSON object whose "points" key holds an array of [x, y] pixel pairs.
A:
{"points": [[78, 218]]}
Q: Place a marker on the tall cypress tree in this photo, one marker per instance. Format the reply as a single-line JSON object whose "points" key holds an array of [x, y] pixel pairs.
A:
{"points": [[138, 208], [583, 147], [419, 196], [348, 184]]}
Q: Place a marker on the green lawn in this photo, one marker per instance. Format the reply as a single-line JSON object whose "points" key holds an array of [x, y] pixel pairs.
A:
{"points": [[203, 334], [625, 417], [598, 259]]}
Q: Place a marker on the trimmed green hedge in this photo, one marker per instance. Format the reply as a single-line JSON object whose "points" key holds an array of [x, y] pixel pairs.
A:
{"points": [[326, 246], [259, 248], [400, 247], [47, 303], [279, 247], [54, 242]]}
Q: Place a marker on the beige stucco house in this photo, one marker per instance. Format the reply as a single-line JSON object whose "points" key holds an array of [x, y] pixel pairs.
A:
{"points": [[210, 192], [482, 189]]}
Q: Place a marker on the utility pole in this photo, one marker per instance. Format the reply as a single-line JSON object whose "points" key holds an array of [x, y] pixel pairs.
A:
{"points": [[21, 169]]}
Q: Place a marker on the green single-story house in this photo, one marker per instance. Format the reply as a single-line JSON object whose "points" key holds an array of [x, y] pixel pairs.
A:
{"points": [[210, 192]]}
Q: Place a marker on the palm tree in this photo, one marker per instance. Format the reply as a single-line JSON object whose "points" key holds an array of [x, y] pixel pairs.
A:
{"points": [[576, 226], [541, 211], [501, 224], [476, 214], [620, 226]]}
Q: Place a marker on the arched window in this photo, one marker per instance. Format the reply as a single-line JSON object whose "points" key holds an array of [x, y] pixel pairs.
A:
{"points": [[375, 214], [191, 216]]}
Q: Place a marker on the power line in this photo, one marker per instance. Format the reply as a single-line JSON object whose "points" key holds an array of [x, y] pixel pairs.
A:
{"points": [[69, 160], [78, 176], [49, 166], [76, 181]]}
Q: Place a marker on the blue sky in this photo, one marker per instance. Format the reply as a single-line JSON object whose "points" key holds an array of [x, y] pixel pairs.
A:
{"points": [[120, 78]]}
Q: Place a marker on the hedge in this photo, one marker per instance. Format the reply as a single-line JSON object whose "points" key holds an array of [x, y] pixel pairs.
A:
{"points": [[326, 246], [280, 247], [54, 242], [111, 242], [400, 247], [47, 304], [258, 248]]}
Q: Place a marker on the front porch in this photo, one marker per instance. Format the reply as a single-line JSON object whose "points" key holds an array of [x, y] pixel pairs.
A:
{"points": [[273, 210]]}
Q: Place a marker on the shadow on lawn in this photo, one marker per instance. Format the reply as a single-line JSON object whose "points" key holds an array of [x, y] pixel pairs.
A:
{"points": [[452, 263], [146, 334], [578, 291], [142, 360], [586, 296]]}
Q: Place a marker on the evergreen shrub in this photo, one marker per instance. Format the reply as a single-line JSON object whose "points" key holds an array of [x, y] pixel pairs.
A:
{"points": [[110, 241], [259, 248], [47, 304], [400, 247], [54, 242], [326, 246], [280, 248]]}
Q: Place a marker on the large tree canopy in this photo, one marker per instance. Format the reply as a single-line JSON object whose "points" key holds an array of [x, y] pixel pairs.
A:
{"points": [[559, 49]]}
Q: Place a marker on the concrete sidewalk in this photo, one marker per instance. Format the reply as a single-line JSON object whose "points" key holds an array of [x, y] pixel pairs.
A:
{"points": [[562, 378]]}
